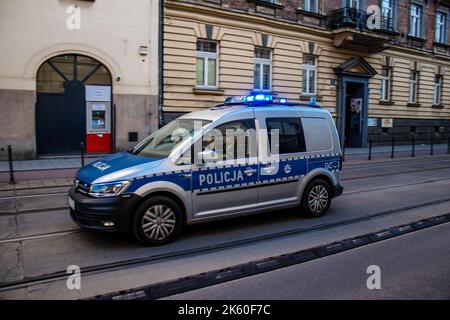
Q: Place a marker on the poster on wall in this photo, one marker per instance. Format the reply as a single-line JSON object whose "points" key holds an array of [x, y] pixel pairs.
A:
{"points": [[372, 122], [387, 123], [355, 115]]}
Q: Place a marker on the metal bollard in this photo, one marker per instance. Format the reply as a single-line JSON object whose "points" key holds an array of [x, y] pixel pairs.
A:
{"points": [[343, 151], [393, 148], [82, 153], [370, 149], [413, 152], [448, 145], [12, 180], [431, 145]]}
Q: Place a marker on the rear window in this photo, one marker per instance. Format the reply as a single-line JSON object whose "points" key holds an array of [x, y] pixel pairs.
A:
{"points": [[291, 138], [318, 134]]}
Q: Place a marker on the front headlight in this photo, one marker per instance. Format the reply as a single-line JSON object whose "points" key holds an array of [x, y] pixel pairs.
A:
{"points": [[108, 189]]}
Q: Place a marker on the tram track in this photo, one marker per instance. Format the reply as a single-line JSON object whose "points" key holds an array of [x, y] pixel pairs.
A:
{"points": [[417, 158], [117, 265], [394, 173]]}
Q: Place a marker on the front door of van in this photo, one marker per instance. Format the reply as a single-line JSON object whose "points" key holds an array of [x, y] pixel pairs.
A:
{"points": [[229, 186]]}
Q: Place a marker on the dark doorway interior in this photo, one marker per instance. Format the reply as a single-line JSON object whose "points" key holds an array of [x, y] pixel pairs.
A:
{"points": [[354, 114]]}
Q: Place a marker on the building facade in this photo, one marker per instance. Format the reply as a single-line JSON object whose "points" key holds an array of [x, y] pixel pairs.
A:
{"points": [[77, 72], [379, 77]]}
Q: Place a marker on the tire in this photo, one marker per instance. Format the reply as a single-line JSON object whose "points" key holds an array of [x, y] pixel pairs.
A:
{"points": [[316, 198], [157, 221]]}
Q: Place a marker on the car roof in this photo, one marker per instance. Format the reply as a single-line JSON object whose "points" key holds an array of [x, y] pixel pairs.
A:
{"points": [[217, 112]]}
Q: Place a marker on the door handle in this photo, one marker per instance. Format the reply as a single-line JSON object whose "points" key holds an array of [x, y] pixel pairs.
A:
{"points": [[186, 175], [250, 172], [269, 170]]}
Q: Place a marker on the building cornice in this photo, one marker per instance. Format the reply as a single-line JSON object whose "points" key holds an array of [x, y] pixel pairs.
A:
{"points": [[234, 18]]}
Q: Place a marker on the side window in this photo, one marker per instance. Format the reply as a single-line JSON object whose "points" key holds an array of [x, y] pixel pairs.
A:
{"points": [[238, 140], [291, 136]]}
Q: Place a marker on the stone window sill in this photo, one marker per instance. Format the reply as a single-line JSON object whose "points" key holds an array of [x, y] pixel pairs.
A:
{"points": [[438, 106], [410, 104], [276, 5], [442, 45], [418, 39], [311, 14], [305, 97], [386, 103], [212, 91]]}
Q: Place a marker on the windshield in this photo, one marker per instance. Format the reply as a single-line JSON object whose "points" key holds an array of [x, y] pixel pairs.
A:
{"points": [[161, 143]]}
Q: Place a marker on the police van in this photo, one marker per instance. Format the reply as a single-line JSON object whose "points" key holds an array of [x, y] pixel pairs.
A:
{"points": [[273, 155]]}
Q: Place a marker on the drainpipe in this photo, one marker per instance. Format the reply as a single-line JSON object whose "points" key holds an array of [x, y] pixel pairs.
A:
{"points": [[339, 107], [160, 63]]}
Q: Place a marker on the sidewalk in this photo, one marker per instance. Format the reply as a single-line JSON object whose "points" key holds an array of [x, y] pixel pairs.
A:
{"points": [[32, 184], [46, 164]]}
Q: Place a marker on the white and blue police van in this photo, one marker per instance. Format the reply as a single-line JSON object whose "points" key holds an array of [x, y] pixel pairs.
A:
{"points": [[273, 155]]}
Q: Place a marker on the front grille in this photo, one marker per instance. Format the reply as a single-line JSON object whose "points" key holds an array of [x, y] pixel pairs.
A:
{"points": [[90, 219], [82, 187]]}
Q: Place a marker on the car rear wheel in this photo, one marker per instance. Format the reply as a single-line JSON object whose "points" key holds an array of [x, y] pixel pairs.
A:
{"points": [[157, 221], [316, 198]]}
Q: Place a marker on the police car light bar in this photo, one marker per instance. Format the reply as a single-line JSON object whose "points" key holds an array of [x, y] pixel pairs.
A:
{"points": [[257, 98], [261, 99]]}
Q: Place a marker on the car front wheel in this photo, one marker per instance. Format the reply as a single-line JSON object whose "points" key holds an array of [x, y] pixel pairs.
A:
{"points": [[157, 221]]}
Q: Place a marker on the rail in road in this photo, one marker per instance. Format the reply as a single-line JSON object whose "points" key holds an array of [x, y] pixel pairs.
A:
{"points": [[78, 230], [202, 249]]}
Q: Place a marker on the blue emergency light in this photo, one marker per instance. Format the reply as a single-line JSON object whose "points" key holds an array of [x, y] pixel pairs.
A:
{"points": [[257, 98]]}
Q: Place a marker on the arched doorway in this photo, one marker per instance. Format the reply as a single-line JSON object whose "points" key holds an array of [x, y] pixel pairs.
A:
{"points": [[67, 108]]}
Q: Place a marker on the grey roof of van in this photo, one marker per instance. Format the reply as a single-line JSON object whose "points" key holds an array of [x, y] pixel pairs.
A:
{"points": [[221, 110]]}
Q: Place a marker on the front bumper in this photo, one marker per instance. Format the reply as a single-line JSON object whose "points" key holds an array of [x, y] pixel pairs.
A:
{"points": [[93, 213]]}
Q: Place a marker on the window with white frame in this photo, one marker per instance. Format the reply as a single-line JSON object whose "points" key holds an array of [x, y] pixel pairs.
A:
{"points": [[311, 6], [263, 69], [309, 68], [437, 96], [413, 86], [387, 12], [416, 20], [441, 27], [386, 84], [206, 64]]}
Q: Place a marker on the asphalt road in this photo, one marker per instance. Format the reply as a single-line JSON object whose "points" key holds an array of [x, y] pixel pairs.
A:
{"points": [[413, 266], [37, 236]]}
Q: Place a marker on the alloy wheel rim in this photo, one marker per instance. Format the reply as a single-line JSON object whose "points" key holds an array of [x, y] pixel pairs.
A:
{"points": [[318, 199], [158, 222]]}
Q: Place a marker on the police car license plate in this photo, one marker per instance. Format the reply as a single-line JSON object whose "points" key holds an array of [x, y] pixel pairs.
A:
{"points": [[71, 203]]}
